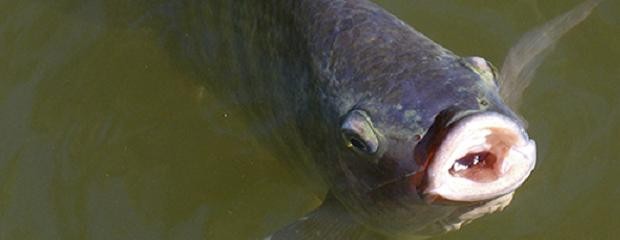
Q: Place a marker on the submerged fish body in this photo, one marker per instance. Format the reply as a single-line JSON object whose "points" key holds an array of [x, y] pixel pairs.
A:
{"points": [[411, 139], [402, 84]]}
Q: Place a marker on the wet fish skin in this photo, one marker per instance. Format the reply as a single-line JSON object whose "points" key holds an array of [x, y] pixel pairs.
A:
{"points": [[319, 60], [366, 58], [301, 67]]}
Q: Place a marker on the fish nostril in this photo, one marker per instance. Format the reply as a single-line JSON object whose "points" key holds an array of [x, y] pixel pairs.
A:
{"points": [[417, 137]]}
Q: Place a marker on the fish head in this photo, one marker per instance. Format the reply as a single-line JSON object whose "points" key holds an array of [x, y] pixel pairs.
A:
{"points": [[440, 150]]}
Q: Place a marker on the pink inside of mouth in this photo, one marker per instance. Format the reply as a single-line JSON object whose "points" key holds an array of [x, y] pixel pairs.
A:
{"points": [[482, 157], [479, 166], [485, 166]]}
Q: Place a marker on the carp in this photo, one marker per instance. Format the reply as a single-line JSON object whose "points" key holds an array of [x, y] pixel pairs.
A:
{"points": [[410, 139]]}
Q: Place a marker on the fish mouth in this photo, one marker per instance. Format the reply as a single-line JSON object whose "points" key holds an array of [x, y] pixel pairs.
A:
{"points": [[481, 157]]}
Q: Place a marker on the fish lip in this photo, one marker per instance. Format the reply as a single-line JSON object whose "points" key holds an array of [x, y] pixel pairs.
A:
{"points": [[514, 150]]}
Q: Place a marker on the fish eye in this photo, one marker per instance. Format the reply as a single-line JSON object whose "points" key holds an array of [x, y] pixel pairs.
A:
{"points": [[358, 133], [356, 142]]}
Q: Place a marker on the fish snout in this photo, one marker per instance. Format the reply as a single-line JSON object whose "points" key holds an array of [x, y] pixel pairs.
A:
{"points": [[481, 157]]}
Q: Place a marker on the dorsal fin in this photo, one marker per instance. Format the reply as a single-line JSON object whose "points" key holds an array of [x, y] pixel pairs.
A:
{"points": [[523, 58]]}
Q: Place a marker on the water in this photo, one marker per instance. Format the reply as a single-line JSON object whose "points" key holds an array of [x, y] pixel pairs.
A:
{"points": [[105, 135]]}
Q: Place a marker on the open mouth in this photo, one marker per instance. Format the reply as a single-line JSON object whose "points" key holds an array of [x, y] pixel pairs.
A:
{"points": [[483, 156]]}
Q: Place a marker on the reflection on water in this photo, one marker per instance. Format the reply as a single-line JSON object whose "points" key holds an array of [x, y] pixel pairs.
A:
{"points": [[104, 135], [104, 138]]}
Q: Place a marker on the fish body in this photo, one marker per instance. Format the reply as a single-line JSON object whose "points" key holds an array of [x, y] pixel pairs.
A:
{"points": [[410, 139], [367, 60]]}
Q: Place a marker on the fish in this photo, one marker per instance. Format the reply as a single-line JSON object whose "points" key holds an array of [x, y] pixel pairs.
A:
{"points": [[410, 139]]}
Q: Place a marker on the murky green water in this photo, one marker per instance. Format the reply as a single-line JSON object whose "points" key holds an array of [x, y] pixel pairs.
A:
{"points": [[104, 135]]}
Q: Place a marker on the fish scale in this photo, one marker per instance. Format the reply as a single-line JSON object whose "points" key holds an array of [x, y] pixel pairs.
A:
{"points": [[317, 63]]}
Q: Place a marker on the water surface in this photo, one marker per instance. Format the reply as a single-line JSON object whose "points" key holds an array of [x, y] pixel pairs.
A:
{"points": [[104, 134]]}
